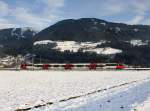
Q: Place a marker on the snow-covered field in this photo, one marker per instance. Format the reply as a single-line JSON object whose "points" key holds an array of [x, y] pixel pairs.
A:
{"points": [[22, 89]]}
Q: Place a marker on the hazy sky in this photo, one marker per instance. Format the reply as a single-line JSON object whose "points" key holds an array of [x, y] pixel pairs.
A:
{"points": [[42, 13]]}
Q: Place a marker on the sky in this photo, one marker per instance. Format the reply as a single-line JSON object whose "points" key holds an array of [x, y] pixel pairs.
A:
{"points": [[40, 14]]}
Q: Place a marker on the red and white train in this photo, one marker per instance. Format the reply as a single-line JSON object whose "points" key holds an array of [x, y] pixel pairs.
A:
{"points": [[72, 66]]}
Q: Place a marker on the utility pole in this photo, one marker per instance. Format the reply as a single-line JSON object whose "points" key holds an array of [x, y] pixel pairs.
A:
{"points": [[40, 59], [32, 62]]}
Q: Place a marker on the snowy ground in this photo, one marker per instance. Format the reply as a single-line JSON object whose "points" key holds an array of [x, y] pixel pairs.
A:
{"points": [[22, 89]]}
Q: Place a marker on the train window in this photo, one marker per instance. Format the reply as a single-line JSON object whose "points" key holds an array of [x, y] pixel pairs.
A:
{"points": [[80, 65], [37, 65], [49, 65], [61, 65], [100, 65], [120, 64], [56, 65], [29, 64], [111, 64]]}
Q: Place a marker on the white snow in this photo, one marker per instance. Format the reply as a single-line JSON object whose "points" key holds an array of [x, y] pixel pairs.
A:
{"points": [[117, 29], [19, 89], [138, 42], [24, 29], [104, 24], [85, 46], [104, 51], [110, 50], [67, 45], [145, 106], [118, 99], [13, 32], [42, 42], [91, 44], [136, 30], [95, 23]]}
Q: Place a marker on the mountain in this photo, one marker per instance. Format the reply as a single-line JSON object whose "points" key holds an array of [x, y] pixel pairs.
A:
{"points": [[81, 40], [16, 41], [92, 29], [111, 42]]}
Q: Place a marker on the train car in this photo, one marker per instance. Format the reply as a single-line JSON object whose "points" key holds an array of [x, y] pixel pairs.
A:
{"points": [[120, 66], [110, 65], [68, 66], [73, 66], [92, 66], [23, 66]]}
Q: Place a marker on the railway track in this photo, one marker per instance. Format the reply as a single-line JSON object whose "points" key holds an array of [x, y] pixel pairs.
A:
{"points": [[106, 69]]}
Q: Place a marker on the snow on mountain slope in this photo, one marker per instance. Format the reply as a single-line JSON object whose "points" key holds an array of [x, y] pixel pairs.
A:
{"points": [[28, 28], [24, 29], [84, 46], [67, 45], [44, 42], [109, 50], [104, 51], [21, 31], [13, 32], [138, 42], [104, 24], [136, 30]]}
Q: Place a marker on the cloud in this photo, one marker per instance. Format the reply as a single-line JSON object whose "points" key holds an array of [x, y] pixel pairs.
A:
{"points": [[140, 10], [139, 7], [136, 20], [52, 11], [25, 16], [6, 24], [111, 7], [43, 13], [107, 8], [146, 22], [39, 20], [54, 3], [4, 10]]}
